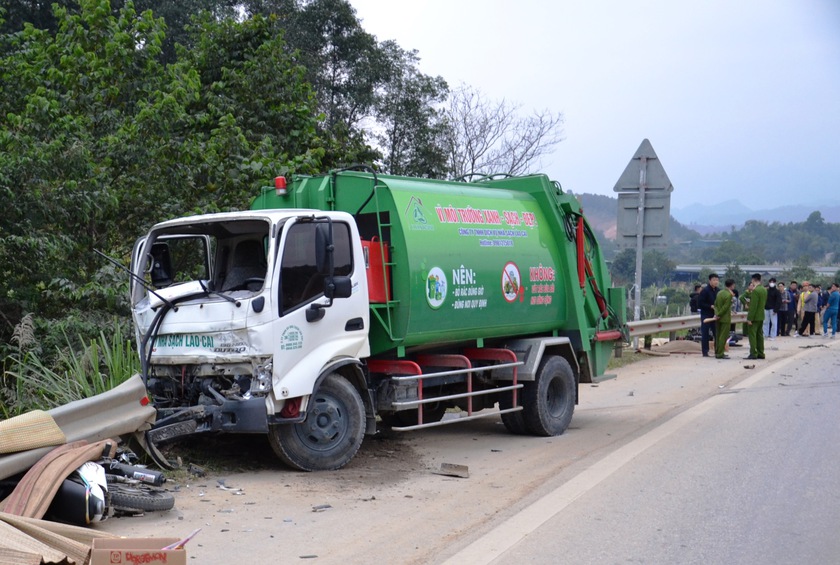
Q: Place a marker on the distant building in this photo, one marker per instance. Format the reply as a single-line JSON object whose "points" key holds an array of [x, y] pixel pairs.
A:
{"points": [[691, 273]]}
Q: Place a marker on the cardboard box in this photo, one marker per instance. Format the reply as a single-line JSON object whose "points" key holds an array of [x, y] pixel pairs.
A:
{"points": [[136, 551]]}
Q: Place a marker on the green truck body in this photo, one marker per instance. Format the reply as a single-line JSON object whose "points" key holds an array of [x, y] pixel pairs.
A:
{"points": [[373, 301]]}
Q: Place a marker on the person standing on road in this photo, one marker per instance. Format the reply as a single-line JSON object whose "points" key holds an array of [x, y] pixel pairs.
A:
{"points": [[771, 318], [706, 302], [830, 313], [723, 315], [757, 297], [784, 303], [822, 299], [692, 299], [793, 323], [809, 310]]}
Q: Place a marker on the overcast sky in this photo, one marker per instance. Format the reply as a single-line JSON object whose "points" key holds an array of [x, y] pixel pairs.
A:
{"points": [[739, 98]]}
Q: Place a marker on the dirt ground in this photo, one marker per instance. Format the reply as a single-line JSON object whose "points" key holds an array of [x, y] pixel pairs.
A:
{"points": [[390, 505]]}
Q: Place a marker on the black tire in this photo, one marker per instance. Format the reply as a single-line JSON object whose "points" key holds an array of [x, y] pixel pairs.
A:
{"points": [[140, 497], [549, 401], [331, 434], [432, 412], [513, 421]]}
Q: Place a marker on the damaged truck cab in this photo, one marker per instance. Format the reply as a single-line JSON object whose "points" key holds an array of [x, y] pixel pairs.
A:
{"points": [[352, 300]]}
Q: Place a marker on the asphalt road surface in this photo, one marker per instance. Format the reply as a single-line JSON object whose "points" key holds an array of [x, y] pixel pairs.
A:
{"points": [[679, 459], [751, 475]]}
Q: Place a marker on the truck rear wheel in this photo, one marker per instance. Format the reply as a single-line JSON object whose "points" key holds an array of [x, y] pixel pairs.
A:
{"points": [[549, 402], [513, 421], [330, 435]]}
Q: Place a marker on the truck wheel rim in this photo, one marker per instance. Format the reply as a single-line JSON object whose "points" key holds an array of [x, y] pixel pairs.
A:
{"points": [[325, 425]]}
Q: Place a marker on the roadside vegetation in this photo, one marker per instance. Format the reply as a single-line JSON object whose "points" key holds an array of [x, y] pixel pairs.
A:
{"points": [[119, 114]]}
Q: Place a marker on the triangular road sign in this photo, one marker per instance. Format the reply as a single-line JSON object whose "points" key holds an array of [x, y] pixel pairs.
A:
{"points": [[655, 176]]}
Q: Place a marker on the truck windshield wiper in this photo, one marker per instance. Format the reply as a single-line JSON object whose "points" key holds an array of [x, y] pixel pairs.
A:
{"points": [[207, 289], [139, 280]]}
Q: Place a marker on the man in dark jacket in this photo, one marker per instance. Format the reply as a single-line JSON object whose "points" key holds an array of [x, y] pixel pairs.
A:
{"points": [[706, 302], [771, 309], [692, 299]]}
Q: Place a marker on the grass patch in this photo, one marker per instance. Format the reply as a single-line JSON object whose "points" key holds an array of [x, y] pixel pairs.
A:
{"points": [[77, 372]]}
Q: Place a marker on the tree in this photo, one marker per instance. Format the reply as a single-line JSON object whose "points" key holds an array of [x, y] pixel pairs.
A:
{"points": [[734, 272], [101, 139], [657, 269], [492, 137], [623, 267], [344, 64], [733, 252], [412, 127]]}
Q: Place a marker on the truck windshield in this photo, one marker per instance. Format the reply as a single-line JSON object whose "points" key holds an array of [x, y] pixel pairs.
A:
{"points": [[229, 255]]}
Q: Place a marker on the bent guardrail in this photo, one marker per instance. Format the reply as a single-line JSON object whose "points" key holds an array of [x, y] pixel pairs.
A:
{"points": [[120, 411]]}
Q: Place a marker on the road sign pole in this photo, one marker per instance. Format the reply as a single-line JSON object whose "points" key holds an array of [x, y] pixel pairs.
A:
{"points": [[649, 228], [640, 239]]}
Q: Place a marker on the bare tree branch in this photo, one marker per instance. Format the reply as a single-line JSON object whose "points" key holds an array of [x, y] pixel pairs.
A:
{"points": [[487, 136]]}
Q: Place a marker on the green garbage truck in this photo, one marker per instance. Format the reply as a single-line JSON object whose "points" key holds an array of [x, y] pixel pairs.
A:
{"points": [[347, 302]]}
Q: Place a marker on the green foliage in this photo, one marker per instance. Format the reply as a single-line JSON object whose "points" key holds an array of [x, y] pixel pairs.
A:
{"points": [[734, 272], [413, 129], [101, 139], [32, 380], [657, 268]]}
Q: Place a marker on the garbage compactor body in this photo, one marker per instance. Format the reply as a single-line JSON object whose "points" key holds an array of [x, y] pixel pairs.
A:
{"points": [[378, 301]]}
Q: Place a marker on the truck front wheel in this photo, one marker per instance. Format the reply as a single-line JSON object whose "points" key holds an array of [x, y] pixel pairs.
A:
{"points": [[549, 401], [330, 435]]}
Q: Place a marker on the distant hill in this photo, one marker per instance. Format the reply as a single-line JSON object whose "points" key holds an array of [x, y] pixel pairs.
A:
{"points": [[725, 216], [602, 213]]}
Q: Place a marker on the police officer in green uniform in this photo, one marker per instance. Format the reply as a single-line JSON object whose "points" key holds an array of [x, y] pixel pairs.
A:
{"points": [[757, 296], [723, 315]]}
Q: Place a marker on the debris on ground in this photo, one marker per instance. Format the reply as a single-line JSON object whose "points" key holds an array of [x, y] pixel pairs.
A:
{"points": [[453, 470]]}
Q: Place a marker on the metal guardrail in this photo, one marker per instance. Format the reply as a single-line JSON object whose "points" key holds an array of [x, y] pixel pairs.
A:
{"points": [[119, 411], [657, 325]]}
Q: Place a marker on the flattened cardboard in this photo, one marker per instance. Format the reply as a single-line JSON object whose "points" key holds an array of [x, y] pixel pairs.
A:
{"points": [[136, 551]]}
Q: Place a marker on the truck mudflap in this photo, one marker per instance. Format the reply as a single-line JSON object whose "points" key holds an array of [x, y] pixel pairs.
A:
{"points": [[404, 389]]}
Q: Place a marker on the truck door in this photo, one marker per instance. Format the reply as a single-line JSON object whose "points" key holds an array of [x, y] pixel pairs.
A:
{"points": [[302, 347]]}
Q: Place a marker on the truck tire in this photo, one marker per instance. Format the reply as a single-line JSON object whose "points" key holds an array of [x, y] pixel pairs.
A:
{"points": [[143, 498], [330, 435], [549, 401], [513, 421]]}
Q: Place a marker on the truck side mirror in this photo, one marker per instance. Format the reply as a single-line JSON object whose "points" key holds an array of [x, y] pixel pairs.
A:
{"points": [[323, 248], [160, 268], [338, 287], [334, 287]]}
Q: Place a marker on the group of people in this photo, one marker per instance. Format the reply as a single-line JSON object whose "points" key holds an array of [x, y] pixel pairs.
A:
{"points": [[771, 310]]}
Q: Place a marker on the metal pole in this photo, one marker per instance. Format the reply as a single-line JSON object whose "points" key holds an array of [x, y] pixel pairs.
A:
{"points": [[640, 237]]}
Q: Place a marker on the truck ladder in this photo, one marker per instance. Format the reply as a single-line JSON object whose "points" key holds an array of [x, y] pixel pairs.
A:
{"points": [[382, 312]]}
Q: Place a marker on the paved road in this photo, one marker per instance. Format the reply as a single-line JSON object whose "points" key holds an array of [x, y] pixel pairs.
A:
{"points": [[654, 468], [750, 475]]}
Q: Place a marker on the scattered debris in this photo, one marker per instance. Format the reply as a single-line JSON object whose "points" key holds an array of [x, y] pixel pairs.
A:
{"points": [[453, 470], [751, 366], [195, 470], [223, 486], [321, 507]]}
